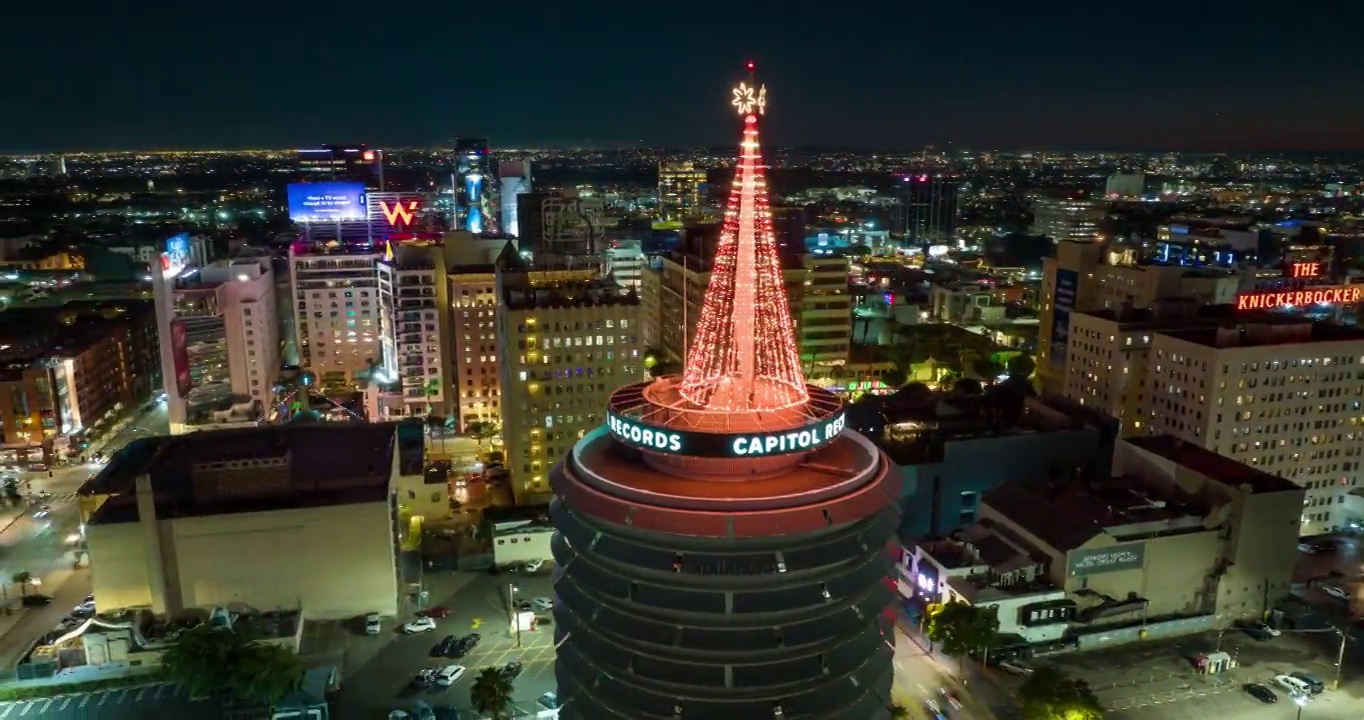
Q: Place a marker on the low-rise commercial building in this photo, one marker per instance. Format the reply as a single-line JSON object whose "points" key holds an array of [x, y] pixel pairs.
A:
{"points": [[258, 517], [1178, 540]]}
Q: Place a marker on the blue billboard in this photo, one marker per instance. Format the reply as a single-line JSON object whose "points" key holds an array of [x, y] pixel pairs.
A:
{"points": [[327, 202], [1067, 286]]}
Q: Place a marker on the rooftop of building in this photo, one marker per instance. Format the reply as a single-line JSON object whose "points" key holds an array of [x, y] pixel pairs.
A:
{"points": [[32, 336], [568, 294], [1223, 469], [1066, 513], [1169, 311], [1268, 330], [324, 464]]}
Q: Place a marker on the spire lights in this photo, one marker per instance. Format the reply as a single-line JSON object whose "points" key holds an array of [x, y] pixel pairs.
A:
{"points": [[744, 357]]}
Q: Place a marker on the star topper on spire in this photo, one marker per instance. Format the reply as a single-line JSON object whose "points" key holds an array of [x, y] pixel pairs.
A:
{"points": [[748, 99]]}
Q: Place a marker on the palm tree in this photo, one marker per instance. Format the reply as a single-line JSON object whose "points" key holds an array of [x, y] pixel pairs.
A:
{"points": [[899, 712], [491, 693]]}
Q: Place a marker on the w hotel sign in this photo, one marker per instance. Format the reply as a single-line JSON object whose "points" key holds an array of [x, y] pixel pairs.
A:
{"points": [[399, 211]]}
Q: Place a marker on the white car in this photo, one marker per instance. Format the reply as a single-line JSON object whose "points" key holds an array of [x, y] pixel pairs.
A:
{"points": [[420, 625], [449, 675], [1293, 685], [542, 604], [1015, 668], [372, 624], [533, 566], [1335, 591]]}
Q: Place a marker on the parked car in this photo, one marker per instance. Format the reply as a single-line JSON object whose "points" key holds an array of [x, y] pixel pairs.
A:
{"points": [[1314, 683], [449, 675], [422, 680], [1017, 668], [372, 624], [444, 647], [420, 625], [548, 701], [1261, 693], [542, 604], [1292, 685], [465, 645], [512, 670], [439, 611], [1306, 549], [422, 711], [522, 605], [949, 698], [1260, 631], [36, 600], [533, 566], [1336, 591]]}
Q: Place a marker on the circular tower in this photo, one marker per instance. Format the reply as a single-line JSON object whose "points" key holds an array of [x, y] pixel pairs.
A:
{"points": [[724, 543]]}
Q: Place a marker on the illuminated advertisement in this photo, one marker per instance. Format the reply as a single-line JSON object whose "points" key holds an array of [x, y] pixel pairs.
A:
{"points": [[1067, 286], [327, 202], [1322, 295], [180, 358], [1127, 556], [644, 436], [399, 213]]}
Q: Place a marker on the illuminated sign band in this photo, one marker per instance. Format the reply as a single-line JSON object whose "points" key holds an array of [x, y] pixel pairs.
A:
{"points": [[1336, 294], [644, 436]]}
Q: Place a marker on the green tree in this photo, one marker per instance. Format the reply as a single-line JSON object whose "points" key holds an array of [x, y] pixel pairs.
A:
{"points": [[209, 660], [962, 629], [482, 430], [491, 693], [894, 378], [1022, 366], [899, 712], [1049, 694], [986, 368]]}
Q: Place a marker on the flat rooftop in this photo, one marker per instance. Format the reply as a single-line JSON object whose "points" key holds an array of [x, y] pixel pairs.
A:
{"points": [[1218, 467], [254, 469], [1266, 332], [1067, 514]]}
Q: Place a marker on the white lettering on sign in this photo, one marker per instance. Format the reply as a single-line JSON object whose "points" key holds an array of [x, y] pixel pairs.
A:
{"points": [[643, 436], [793, 441]]}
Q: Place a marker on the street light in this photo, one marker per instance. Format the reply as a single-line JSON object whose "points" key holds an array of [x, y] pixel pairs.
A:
{"points": [[511, 606], [1302, 703]]}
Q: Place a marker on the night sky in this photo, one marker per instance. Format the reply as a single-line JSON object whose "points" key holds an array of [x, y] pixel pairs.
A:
{"points": [[82, 75]]}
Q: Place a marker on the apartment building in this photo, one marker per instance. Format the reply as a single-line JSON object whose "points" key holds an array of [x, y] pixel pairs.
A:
{"points": [[679, 190], [337, 313], [570, 341], [824, 323], [1067, 218], [1109, 352], [1281, 395], [414, 298], [625, 263]]}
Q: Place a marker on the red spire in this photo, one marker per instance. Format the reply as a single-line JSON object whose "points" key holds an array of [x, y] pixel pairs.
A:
{"points": [[744, 357]]}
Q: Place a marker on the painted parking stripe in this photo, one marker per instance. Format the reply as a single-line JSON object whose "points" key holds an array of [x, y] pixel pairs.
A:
{"points": [[140, 693], [9, 709], [66, 700], [43, 709], [27, 706], [161, 690], [123, 695], [104, 697]]}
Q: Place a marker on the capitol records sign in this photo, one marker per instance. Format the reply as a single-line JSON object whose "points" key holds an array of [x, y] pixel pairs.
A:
{"points": [[1093, 561]]}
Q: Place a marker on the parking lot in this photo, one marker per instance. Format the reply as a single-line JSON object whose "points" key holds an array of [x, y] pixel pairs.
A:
{"points": [[160, 700], [382, 683]]}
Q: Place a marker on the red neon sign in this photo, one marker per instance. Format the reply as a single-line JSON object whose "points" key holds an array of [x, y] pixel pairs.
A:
{"points": [[399, 212], [1304, 270], [1326, 295]]}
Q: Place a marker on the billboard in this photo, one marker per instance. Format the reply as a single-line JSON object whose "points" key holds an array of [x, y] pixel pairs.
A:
{"points": [[644, 436], [1127, 556], [180, 358], [176, 256], [1067, 286], [327, 202]]}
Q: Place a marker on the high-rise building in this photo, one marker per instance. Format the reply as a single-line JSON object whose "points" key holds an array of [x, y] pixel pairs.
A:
{"points": [[475, 210], [926, 209], [218, 332], [413, 294], [342, 163], [514, 176], [679, 191], [477, 354], [570, 339], [825, 320], [337, 315], [625, 263], [1278, 394], [1067, 218], [723, 543]]}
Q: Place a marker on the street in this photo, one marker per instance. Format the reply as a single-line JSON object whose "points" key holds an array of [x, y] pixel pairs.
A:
{"points": [[45, 547]]}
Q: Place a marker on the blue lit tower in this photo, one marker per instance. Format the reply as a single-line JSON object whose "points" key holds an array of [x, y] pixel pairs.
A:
{"points": [[473, 186], [724, 544]]}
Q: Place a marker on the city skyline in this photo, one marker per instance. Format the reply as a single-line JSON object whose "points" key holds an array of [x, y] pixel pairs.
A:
{"points": [[614, 75]]}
